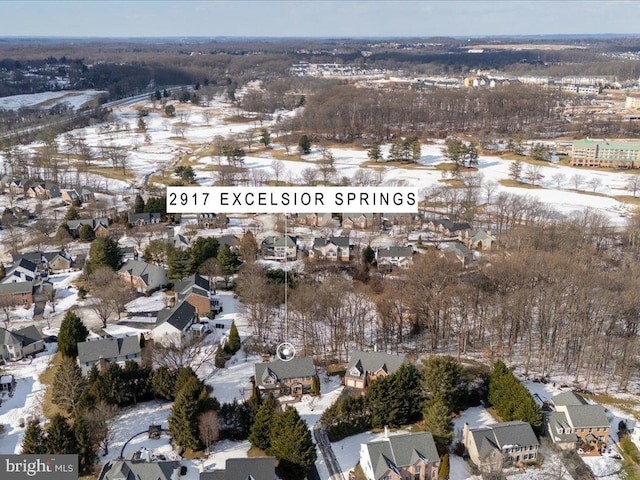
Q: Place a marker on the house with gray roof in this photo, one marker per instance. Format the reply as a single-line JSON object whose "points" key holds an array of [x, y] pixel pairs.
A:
{"points": [[172, 324], [144, 277], [575, 423], [398, 457], [105, 351], [100, 226], [22, 271], [17, 344], [293, 377], [55, 261], [388, 258], [81, 194], [17, 293], [460, 252], [334, 248], [506, 444], [448, 228], [366, 367], [256, 468], [140, 470], [137, 219], [197, 291], [280, 247]]}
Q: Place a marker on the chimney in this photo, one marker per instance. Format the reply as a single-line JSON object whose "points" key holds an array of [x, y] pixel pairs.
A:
{"points": [[147, 455], [386, 432]]}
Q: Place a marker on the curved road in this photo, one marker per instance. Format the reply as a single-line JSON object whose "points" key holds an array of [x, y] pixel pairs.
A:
{"points": [[330, 460]]}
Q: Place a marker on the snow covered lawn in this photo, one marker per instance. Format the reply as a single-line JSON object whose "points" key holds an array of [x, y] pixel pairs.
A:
{"points": [[605, 468]]}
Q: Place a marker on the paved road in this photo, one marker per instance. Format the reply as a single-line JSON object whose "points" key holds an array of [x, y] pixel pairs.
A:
{"points": [[330, 460]]}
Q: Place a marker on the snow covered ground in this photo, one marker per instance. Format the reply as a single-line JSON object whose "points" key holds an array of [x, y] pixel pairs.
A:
{"points": [[26, 400], [75, 99]]}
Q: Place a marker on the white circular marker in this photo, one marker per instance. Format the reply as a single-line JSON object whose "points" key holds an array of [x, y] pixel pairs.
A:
{"points": [[285, 352]]}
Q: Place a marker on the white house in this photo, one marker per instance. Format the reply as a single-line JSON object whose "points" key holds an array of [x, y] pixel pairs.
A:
{"points": [[173, 324], [105, 351]]}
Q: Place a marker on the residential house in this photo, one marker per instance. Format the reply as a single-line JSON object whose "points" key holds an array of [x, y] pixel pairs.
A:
{"points": [[255, 468], [180, 242], [293, 377], [79, 194], [324, 220], [210, 221], [493, 447], [401, 257], [144, 277], [22, 271], [100, 226], [477, 239], [46, 262], [365, 367], [18, 186], [460, 252], [399, 457], [448, 228], [137, 219], [105, 351], [280, 247], [43, 190], [195, 290], [406, 219], [173, 324], [359, 220], [333, 249], [140, 469], [17, 344], [574, 423], [231, 240], [17, 293]]}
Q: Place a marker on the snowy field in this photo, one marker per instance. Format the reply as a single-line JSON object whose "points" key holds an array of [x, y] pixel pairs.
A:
{"points": [[45, 100]]}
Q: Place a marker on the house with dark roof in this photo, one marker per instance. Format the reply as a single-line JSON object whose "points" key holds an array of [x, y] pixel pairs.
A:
{"points": [[458, 251], [137, 219], [104, 351], [293, 377], [100, 226], [255, 468], [360, 220], [144, 277], [209, 221], [22, 271], [81, 194], [366, 367], [231, 240], [493, 447], [17, 344], [280, 247], [17, 293], [477, 239], [47, 262], [398, 457], [180, 242], [197, 291], [173, 324], [140, 470], [400, 257], [43, 190], [335, 248], [575, 423], [448, 228]]}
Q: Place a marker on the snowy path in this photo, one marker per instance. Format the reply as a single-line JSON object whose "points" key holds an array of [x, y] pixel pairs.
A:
{"points": [[323, 443]]}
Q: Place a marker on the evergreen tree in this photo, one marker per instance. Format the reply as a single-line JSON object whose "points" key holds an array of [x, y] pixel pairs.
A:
{"points": [[304, 145], [454, 151], [138, 206], [228, 262], [34, 442], [378, 396], [183, 421], [85, 451], [178, 263], [260, 433], [157, 94], [87, 234], [315, 386], [72, 331], [60, 437], [443, 470], [104, 251], [437, 420], [292, 445], [72, 214], [368, 255], [515, 170], [142, 125], [375, 153], [233, 343], [163, 383], [3, 271], [265, 138], [444, 376], [202, 249], [395, 151], [156, 205], [408, 387]]}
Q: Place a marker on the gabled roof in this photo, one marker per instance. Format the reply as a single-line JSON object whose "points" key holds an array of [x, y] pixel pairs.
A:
{"points": [[568, 398], [28, 335], [393, 252], [256, 468], [26, 264], [144, 217], [92, 222], [15, 288], [9, 338], [400, 451], [230, 240], [179, 316], [192, 280], [138, 470], [297, 367], [502, 435], [107, 348], [373, 362], [586, 416], [150, 274], [451, 226], [338, 241], [34, 257]]}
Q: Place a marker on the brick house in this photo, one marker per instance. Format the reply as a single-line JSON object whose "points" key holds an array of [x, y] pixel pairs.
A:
{"points": [[100, 226], [333, 249], [17, 293], [143, 276], [294, 377], [365, 367]]}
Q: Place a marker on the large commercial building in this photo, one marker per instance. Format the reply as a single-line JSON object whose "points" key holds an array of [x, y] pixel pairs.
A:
{"points": [[602, 153]]}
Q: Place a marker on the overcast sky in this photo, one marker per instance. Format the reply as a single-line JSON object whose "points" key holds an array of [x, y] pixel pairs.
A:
{"points": [[316, 18]]}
